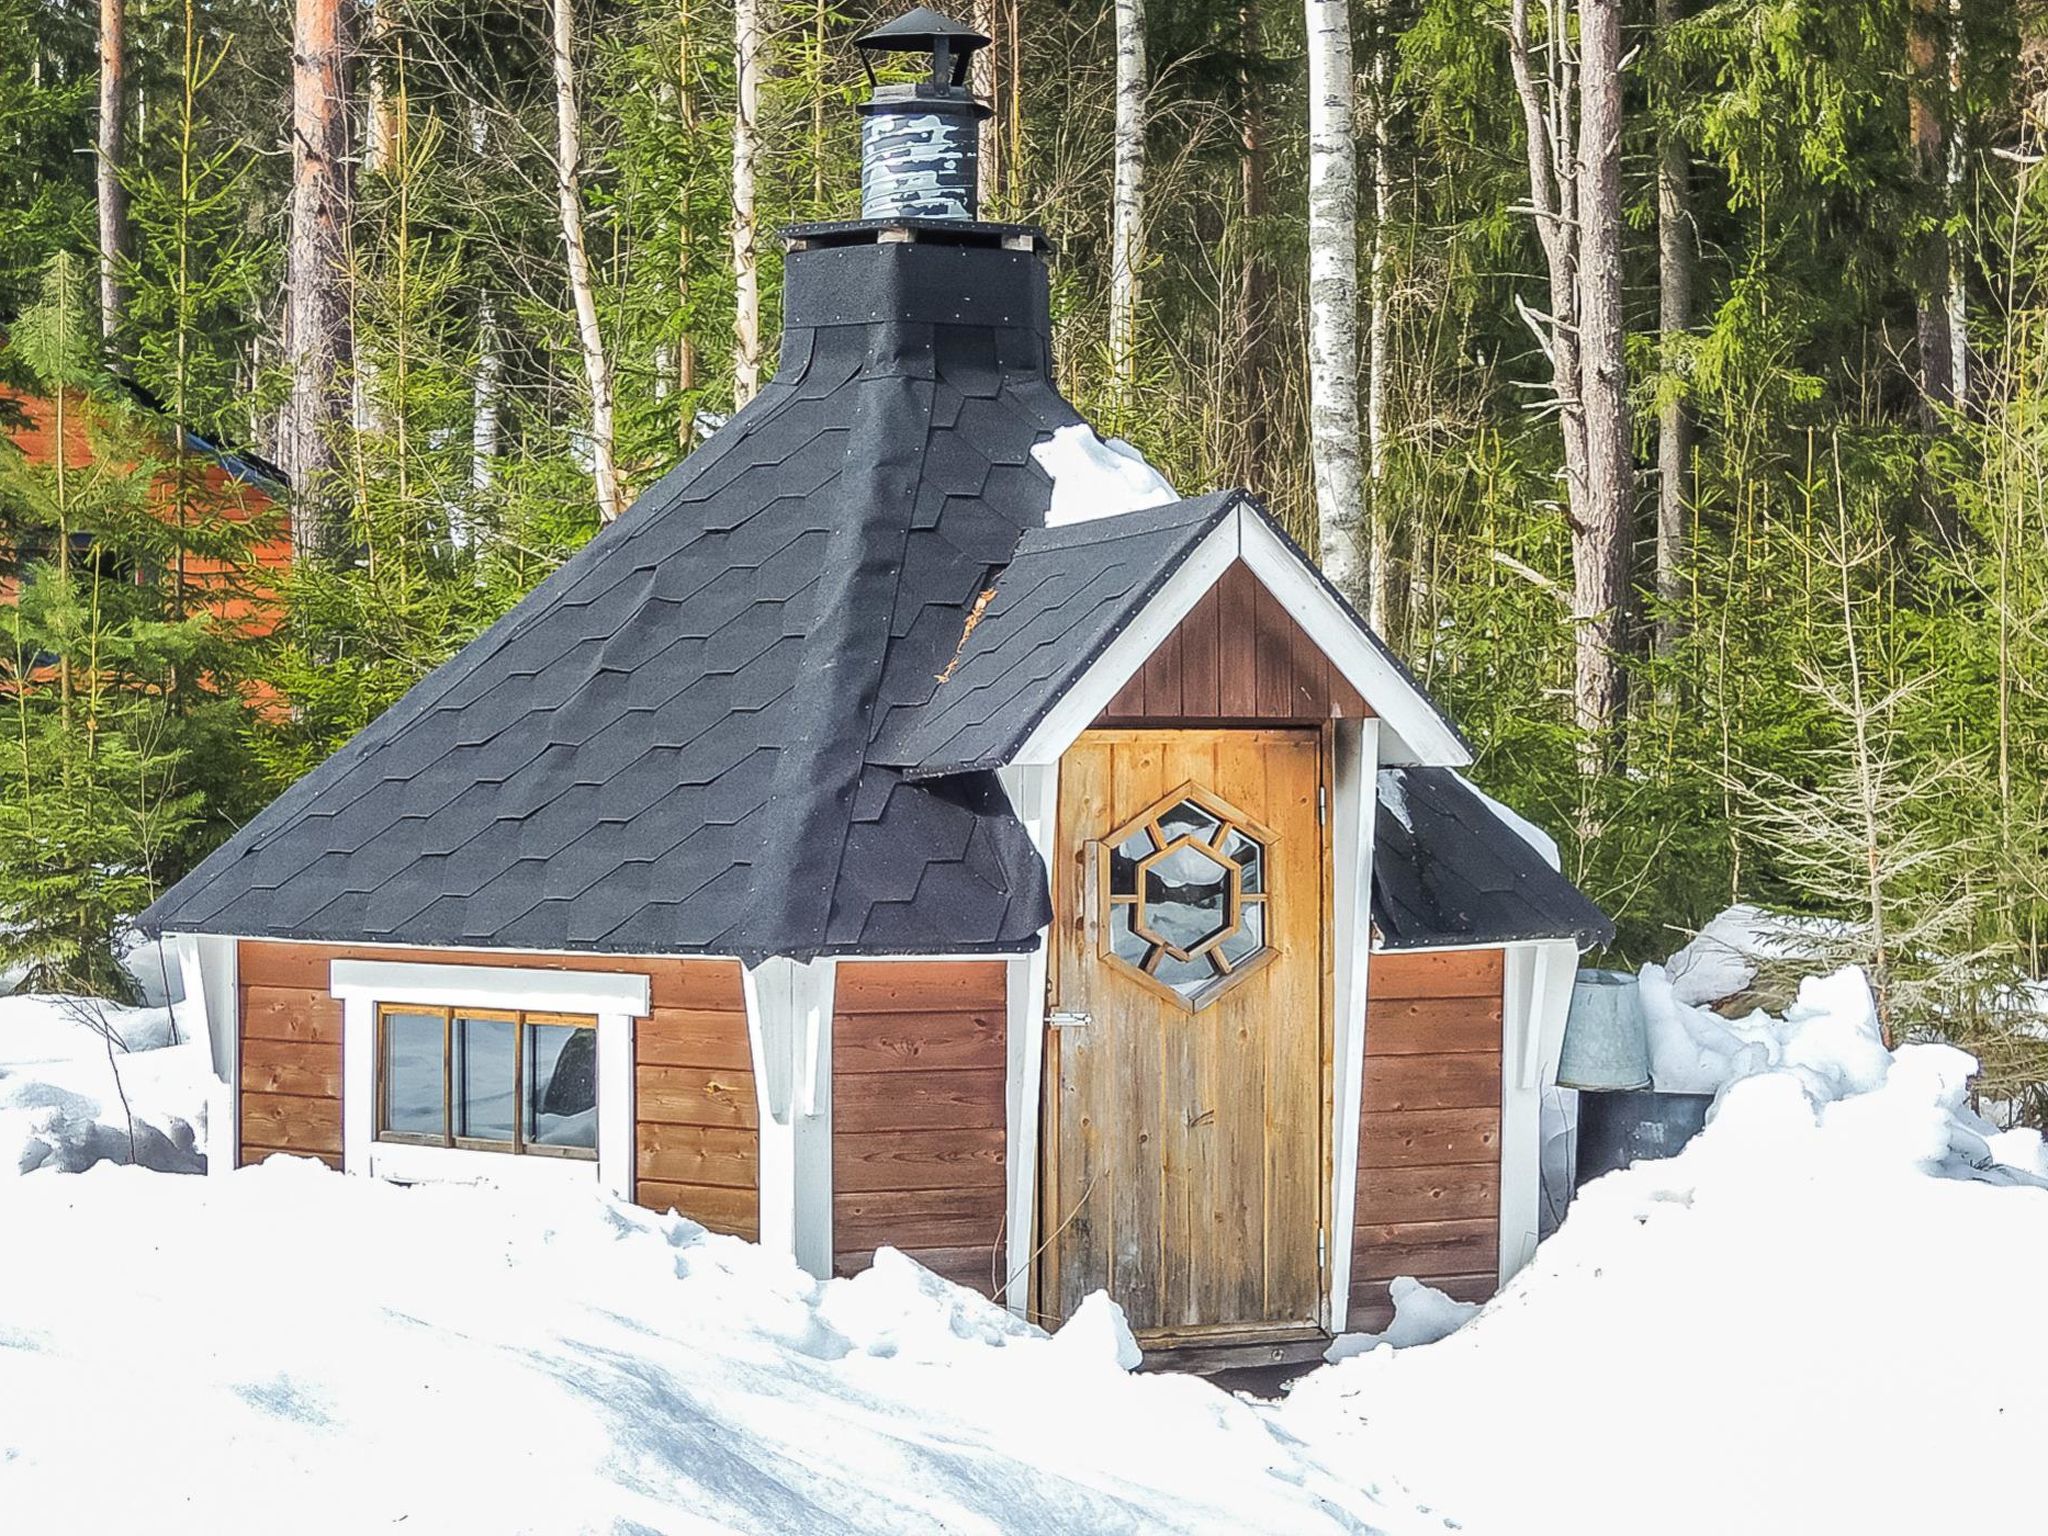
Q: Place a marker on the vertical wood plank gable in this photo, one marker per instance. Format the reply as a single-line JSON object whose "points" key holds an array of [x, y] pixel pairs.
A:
{"points": [[1237, 658]]}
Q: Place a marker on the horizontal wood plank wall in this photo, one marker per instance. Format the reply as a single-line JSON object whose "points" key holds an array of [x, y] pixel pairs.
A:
{"points": [[698, 1148], [1237, 657], [1429, 1132], [918, 1060]]}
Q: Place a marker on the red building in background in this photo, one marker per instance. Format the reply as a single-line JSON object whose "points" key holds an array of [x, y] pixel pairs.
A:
{"points": [[222, 483]]}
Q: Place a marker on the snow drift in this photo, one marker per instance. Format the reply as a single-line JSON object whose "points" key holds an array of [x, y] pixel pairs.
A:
{"points": [[1822, 1316]]}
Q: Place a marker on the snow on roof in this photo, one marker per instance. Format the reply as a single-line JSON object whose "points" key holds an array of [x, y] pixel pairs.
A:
{"points": [[1093, 477]]}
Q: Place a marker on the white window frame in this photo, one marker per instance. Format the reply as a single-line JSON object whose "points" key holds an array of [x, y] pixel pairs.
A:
{"points": [[614, 998]]}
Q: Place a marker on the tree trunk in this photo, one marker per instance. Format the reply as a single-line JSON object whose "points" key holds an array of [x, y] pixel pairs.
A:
{"points": [[989, 167], [1333, 291], [746, 267], [1600, 537], [1254, 283], [321, 344], [1379, 513], [1127, 196], [686, 344], [113, 197], [597, 372], [1676, 259], [1927, 87]]}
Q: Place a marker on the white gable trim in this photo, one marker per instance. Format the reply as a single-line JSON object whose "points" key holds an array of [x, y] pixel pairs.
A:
{"points": [[1412, 733]]}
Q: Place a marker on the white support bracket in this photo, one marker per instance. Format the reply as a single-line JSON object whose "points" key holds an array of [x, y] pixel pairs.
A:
{"points": [[1536, 996], [207, 964], [789, 1030]]}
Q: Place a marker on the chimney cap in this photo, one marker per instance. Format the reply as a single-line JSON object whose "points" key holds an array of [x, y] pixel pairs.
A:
{"points": [[914, 32], [949, 45]]}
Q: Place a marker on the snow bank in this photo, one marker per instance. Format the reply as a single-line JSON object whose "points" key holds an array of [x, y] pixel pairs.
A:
{"points": [[285, 1347], [1422, 1315], [1094, 478], [1823, 1315], [66, 1066]]}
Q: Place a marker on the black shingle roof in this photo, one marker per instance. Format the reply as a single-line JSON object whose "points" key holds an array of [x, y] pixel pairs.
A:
{"points": [[1447, 870], [1068, 593], [663, 748]]}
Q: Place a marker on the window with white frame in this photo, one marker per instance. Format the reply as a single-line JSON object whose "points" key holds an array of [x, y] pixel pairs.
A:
{"points": [[492, 1081], [475, 1072]]}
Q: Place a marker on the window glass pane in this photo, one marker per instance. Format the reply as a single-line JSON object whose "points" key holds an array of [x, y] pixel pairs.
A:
{"points": [[1189, 818], [1125, 944], [561, 1077], [1187, 977], [1247, 855], [1186, 896], [485, 1053], [412, 1074], [1250, 937], [1123, 863]]}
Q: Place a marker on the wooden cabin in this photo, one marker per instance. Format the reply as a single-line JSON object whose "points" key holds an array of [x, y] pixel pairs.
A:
{"points": [[837, 854], [233, 484]]}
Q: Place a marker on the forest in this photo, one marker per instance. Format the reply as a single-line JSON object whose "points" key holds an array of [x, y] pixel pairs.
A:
{"points": [[1667, 380]]}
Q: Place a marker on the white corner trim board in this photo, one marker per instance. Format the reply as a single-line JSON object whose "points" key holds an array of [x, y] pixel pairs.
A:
{"points": [[616, 998], [208, 964], [1537, 993], [1034, 791]]}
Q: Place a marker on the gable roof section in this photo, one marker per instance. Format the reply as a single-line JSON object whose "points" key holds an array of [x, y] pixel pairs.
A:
{"points": [[1447, 870], [663, 748], [1084, 605], [1068, 592]]}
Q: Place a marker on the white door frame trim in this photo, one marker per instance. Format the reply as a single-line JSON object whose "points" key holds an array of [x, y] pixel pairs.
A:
{"points": [[1034, 791], [1354, 806]]}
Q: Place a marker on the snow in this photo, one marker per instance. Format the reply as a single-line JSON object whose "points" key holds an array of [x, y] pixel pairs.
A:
{"points": [[1821, 1316], [288, 1347], [1093, 478], [1422, 1315], [62, 1087]]}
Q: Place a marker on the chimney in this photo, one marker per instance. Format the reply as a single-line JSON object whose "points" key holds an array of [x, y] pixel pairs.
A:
{"points": [[920, 140]]}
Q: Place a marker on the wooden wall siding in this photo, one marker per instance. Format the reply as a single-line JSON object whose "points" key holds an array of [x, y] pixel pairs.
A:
{"points": [[918, 1062], [1236, 657], [1429, 1133], [695, 1082]]}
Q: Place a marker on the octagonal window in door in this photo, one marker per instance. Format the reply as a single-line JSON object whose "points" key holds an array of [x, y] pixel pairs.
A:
{"points": [[1185, 897]]}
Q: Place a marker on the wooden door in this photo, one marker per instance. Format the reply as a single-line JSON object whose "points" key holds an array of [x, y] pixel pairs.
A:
{"points": [[1184, 1144]]}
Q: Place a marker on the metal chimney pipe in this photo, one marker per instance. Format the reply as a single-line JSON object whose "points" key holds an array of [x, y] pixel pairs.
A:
{"points": [[921, 140]]}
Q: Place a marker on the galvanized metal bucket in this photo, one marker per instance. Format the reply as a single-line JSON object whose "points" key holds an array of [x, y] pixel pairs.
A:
{"points": [[1605, 1046]]}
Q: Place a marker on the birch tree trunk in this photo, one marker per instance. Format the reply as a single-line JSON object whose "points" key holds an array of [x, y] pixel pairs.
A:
{"points": [[1600, 533], [1379, 514], [316, 265], [746, 268], [1254, 283], [1333, 290], [113, 197], [604, 471], [1676, 259], [1127, 196], [989, 167]]}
